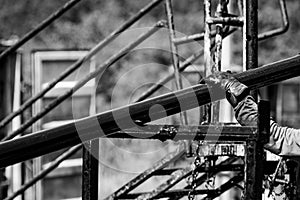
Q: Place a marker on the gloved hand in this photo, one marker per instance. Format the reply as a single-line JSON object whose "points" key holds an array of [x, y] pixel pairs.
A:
{"points": [[235, 91]]}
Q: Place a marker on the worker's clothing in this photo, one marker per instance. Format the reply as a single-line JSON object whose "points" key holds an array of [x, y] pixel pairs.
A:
{"points": [[283, 141]]}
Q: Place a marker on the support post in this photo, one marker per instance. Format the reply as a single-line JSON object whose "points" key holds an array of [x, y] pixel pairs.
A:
{"points": [[90, 169], [206, 110], [250, 51], [254, 157]]}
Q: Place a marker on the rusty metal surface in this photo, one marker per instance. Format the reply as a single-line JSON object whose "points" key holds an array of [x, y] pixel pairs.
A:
{"points": [[233, 21], [171, 157], [85, 79], [47, 141], [208, 59], [199, 181], [175, 178], [170, 194], [79, 63], [254, 159], [250, 35]]}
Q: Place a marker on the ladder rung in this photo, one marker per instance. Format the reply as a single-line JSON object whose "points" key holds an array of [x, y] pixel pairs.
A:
{"points": [[233, 21]]}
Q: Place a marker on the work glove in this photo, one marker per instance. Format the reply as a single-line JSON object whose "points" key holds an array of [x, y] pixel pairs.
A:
{"points": [[235, 91]]}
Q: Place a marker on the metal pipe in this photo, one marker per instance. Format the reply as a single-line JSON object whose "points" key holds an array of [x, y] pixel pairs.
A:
{"points": [[205, 111], [250, 40], [171, 193], [39, 28], [283, 28], [90, 170], [173, 180], [46, 141], [79, 63], [232, 21], [83, 81], [221, 9], [199, 181], [253, 155], [189, 38], [54, 164]]}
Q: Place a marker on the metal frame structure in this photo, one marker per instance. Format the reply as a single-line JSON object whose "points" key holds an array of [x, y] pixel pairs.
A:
{"points": [[24, 147]]}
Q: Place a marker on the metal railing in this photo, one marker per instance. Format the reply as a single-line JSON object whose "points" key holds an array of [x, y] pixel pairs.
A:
{"points": [[11, 151]]}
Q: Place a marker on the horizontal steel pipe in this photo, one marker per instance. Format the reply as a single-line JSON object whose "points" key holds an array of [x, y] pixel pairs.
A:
{"points": [[233, 21], [47, 141]]}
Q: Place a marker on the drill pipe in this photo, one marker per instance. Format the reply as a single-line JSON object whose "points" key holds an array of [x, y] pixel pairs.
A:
{"points": [[107, 124]]}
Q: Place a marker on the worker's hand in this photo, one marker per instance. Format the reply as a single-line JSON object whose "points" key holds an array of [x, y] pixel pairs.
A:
{"points": [[235, 90]]}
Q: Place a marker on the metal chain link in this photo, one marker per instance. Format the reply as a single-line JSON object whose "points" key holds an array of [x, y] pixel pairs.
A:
{"points": [[195, 173]]}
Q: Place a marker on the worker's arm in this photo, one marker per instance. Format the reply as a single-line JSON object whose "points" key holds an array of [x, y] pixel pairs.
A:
{"points": [[284, 141]]}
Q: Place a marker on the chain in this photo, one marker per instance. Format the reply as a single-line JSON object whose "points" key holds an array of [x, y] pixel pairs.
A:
{"points": [[195, 173], [280, 171], [210, 162]]}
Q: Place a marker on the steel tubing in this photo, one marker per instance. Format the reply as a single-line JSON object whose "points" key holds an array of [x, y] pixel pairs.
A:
{"points": [[233, 21], [47, 141]]}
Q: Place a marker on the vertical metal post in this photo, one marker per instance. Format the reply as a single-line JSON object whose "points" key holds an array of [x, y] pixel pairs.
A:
{"points": [[90, 170], [176, 64], [254, 158], [221, 8], [254, 148], [207, 53], [250, 55]]}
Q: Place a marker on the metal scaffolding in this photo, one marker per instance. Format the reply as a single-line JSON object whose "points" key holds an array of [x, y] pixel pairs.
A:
{"points": [[253, 138]]}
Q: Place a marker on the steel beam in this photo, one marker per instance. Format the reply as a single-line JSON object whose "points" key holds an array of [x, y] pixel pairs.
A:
{"points": [[47, 141]]}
